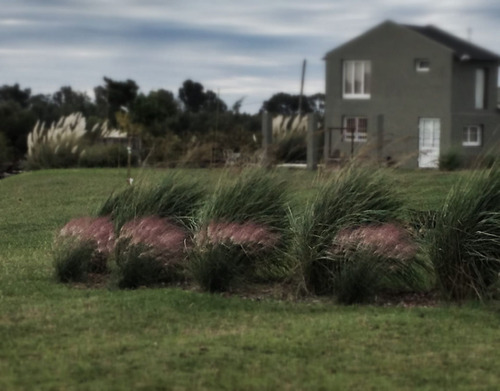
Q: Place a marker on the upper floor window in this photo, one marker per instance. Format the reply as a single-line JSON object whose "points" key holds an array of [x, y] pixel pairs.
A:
{"points": [[480, 89], [355, 129], [422, 65], [472, 136], [357, 79]]}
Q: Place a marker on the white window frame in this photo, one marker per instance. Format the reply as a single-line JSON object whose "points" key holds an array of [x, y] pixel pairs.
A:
{"points": [[422, 65], [359, 136], [349, 71], [466, 136]]}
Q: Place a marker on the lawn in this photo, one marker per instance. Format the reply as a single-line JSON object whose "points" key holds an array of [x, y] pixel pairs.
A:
{"points": [[59, 337]]}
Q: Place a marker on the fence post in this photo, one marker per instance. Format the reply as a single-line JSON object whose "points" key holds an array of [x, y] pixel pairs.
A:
{"points": [[312, 142], [380, 137]]}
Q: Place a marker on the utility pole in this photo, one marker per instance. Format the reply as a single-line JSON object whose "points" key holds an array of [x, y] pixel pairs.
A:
{"points": [[302, 86]]}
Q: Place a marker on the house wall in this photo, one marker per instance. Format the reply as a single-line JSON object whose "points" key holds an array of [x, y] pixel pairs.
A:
{"points": [[398, 92], [464, 113]]}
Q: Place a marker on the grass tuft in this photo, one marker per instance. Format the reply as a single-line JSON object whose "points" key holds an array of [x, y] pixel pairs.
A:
{"points": [[72, 260], [355, 196], [174, 197], [243, 223], [150, 251], [465, 243]]}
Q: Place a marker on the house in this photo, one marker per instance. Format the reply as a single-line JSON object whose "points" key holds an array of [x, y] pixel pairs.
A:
{"points": [[409, 94]]}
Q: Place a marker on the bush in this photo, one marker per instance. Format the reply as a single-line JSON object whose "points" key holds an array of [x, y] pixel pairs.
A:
{"points": [[5, 152], [464, 247], [59, 156], [355, 196], [174, 198], [355, 277], [450, 161], [216, 268], [138, 266], [243, 223], [98, 232], [72, 260], [105, 155], [150, 251]]}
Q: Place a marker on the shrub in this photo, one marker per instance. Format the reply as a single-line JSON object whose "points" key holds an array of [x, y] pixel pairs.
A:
{"points": [[72, 258], [97, 232], [105, 155], [243, 223], [216, 268], [67, 143], [166, 151], [450, 161], [150, 251], [174, 198], [464, 247], [355, 277], [5, 152], [356, 196], [139, 267]]}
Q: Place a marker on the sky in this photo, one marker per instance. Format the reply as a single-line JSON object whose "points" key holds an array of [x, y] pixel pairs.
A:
{"points": [[241, 49]]}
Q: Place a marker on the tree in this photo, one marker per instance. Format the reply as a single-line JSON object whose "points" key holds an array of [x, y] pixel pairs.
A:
{"points": [[16, 118], [192, 95], [69, 101], [237, 105], [155, 111], [157, 106], [317, 104], [16, 94], [44, 109], [15, 123], [113, 95], [213, 103], [286, 104]]}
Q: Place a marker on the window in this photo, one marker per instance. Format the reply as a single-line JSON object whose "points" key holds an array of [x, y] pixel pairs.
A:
{"points": [[355, 129], [357, 79], [480, 90], [472, 136], [422, 65]]}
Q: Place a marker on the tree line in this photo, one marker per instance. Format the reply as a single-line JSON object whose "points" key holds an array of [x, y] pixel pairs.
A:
{"points": [[194, 110]]}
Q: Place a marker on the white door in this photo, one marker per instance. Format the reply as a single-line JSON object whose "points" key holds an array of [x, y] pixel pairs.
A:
{"points": [[429, 136]]}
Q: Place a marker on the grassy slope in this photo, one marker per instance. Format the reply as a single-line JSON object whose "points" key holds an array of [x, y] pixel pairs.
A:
{"points": [[58, 337]]}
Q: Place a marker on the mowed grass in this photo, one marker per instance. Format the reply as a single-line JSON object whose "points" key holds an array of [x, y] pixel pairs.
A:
{"points": [[60, 337]]}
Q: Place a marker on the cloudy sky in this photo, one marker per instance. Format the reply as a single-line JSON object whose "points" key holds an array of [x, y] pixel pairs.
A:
{"points": [[248, 49]]}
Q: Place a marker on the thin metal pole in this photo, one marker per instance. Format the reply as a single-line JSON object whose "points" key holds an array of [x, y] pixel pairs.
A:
{"points": [[302, 86]]}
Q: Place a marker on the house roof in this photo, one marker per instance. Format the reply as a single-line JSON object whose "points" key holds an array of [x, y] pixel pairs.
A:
{"points": [[463, 49]]}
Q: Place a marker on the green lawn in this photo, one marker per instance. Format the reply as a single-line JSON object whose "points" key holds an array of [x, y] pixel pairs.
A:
{"points": [[58, 337]]}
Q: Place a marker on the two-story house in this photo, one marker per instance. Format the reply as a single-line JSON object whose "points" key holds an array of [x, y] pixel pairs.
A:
{"points": [[410, 93]]}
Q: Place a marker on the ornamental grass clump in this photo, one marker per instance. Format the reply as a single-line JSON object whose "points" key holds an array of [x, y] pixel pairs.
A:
{"points": [[344, 223], [150, 251], [242, 230], [59, 145], [86, 232], [464, 246], [174, 198], [72, 259], [371, 259]]}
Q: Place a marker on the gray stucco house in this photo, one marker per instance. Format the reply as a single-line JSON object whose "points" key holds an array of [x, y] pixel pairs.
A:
{"points": [[409, 93]]}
